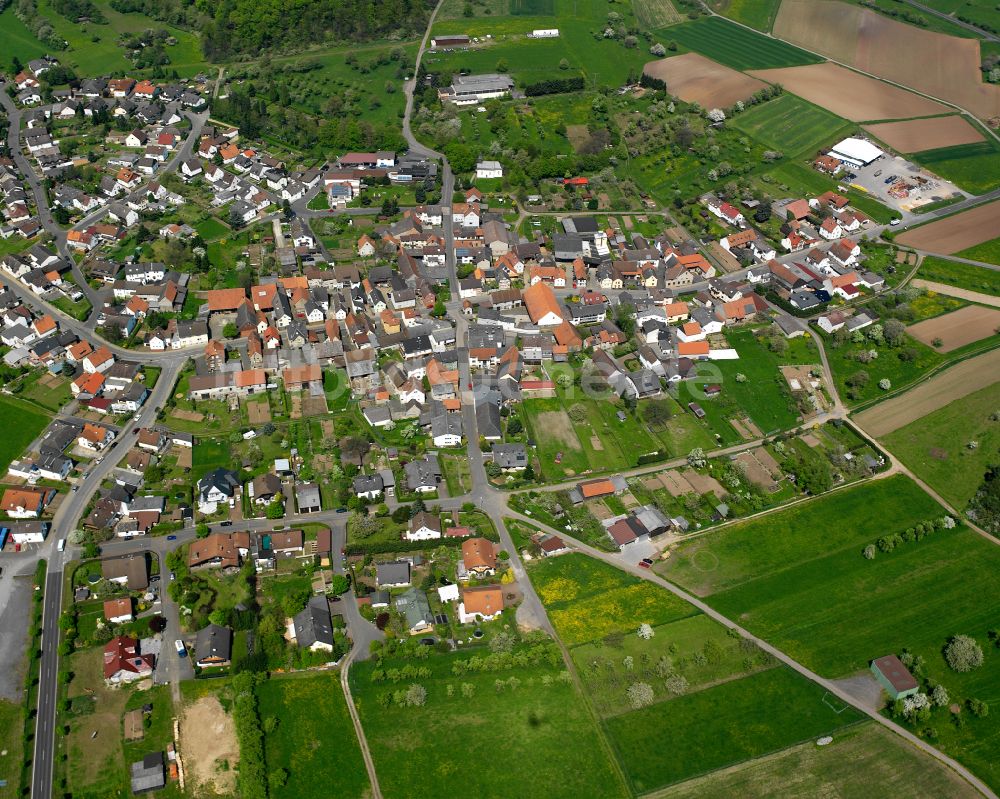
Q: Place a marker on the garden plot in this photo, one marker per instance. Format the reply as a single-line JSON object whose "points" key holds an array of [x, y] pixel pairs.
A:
{"points": [[696, 79], [208, 742], [756, 473], [958, 232], [704, 484], [916, 135], [849, 94], [259, 411], [956, 329]]}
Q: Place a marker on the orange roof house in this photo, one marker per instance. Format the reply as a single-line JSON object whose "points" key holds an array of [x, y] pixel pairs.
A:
{"points": [[692, 349], [118, 609], [44, 324], [567, 336], [21, 503], [542, 305], [596, 488], [479, 555], [486, 601], [88, 383], [262, 297], [225, 299], [80, 350]]}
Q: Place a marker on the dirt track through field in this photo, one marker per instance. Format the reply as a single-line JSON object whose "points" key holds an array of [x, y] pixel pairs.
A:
{"points": [[849, 94], [917, 135], [696, 79], [954, 291], [955, 233], [948, 386], [958, 328], [935, 63]]}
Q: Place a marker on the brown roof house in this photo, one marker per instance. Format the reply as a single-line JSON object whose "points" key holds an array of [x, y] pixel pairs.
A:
{"points": [[479, 557], [894, 677], [131, 571], [483, 603], [423, 527], [118, 611], [219, 551]]}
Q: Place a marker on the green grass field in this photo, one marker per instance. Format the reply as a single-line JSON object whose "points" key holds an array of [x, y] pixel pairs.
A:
{"points": [[94, 49], [22, 423], [988, 252], [757, 14], [535, 739], [210, 453], [790, 125], [735, 46], [16, 40], [766, 546], [720, 726], [965, 276], [865, 760], [973, 167], [314, 740], [936, 448], [983, 13]]}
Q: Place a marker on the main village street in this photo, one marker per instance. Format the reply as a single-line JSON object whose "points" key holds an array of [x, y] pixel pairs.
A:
{"points": [[491, 500]]}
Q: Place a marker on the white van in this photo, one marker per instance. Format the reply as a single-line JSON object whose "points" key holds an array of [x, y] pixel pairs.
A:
{"points": [[61, 546]]}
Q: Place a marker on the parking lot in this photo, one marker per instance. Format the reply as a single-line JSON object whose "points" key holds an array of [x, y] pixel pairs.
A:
{"points": [[912, 187]]}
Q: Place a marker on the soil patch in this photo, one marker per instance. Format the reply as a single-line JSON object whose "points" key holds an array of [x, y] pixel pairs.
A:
{"points": [[849, 94], [578, 136], [703, 484], [259, 412], [809, 440], [935, 63], [864, 688], [756, 473], [596, 443], [208, 738], [599, 510], [696, 79], [557, 426], [958, 232], [958, 328], [314, 405], [948, 386], [189, 416], [917, 135], [675, 483], [740, 428]]}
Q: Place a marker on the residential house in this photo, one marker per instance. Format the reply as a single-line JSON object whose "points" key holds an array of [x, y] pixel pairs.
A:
{"points": [[482, 603]]}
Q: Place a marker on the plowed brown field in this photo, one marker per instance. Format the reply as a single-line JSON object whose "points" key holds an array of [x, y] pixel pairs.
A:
{"points": [[958, 232], [917, 135], [696, 79], [935, 63], [849, 94], [958, 328]]}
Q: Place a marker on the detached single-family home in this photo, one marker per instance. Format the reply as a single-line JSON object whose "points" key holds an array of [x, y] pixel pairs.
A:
{"points": [[416, 610], [213, 646], [424, 527], [119, 610], [123, 663], [313, 626], [483, 603]]}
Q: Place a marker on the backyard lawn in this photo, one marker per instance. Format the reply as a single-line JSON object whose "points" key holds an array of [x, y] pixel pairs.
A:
{"points": [[21, 423], [314, 740]]}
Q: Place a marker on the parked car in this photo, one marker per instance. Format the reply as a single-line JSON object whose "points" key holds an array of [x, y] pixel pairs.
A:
{"points": [[179, 645], [225, 524], [171, 538]]}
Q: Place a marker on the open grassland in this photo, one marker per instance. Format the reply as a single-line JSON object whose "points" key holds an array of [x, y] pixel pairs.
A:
{"points": [[21, 424], [601, 61], [536, 739], [11, 719], [936, 446], [918, 135], [790, 125], [954, 233], [865, 760], [849, 94], [94, 49], [894, 50], [656, 13], [588, 599], [982, 13], [987, 252], [726, 724], [945, 387], [965, 276], [973, 167], [757, 14], [735, 46], [696, 79], [16, 41], [314, 738], [768, 546]]}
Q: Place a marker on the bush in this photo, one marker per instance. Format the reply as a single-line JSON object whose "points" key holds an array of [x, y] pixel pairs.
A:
{"points": [[963, 653]]}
